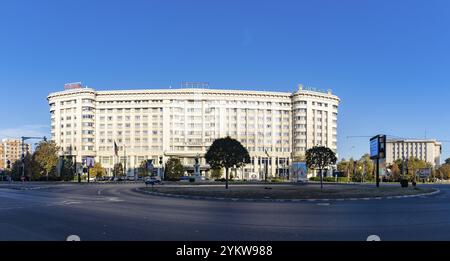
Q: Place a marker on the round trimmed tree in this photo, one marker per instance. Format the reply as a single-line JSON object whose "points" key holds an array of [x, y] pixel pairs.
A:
{"points": [[318, 158], [227, 153]]}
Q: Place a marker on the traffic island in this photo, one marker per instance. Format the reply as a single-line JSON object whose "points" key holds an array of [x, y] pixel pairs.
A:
{"points": [[289, 192]]}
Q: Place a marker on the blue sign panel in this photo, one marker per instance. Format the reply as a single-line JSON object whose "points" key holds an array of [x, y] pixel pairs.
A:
{"points": [[374, 149], [300, 171]]}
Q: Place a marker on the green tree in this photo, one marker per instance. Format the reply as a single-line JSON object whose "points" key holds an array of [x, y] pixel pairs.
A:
{"points": [[317, 158], [173, 170], [97, 171], [395, 172], [216, 173], [413, 165], [443, 172], [118, 170], [350, 169], [447, 161], [30, 169], [367, 167], [227, 153], [342, 166], [143, 170], [46, 158], [67, 170], [409, 167]]}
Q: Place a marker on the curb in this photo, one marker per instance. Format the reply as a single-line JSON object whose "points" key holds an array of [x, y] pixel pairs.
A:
{"points": [[140, 190], [27, 188]]}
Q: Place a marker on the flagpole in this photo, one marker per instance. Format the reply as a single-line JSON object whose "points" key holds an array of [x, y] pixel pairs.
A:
{"points": [[116, 155], [125, 161]]}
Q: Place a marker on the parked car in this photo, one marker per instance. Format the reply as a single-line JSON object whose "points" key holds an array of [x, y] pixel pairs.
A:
{"points": [[184, 179], [153, 180]]}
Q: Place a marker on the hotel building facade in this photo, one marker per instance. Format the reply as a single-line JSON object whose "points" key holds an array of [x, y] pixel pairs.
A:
{"points": [[276, 127]]}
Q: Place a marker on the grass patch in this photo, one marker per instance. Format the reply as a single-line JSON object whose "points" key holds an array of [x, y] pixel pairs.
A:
{"points": [[291, 191]]}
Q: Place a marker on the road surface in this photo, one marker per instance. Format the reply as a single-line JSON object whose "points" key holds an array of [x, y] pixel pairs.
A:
{"points": [[118, 212]]}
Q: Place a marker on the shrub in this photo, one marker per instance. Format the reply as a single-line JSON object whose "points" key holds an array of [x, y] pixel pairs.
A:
{"points": [[342, 179], [404, 183], [276, 180]]}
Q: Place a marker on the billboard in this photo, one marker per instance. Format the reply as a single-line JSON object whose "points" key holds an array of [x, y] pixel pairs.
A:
{"points": [[90, 162], [423, 173], [378, 147], [374, 147], [71, 86], [299, 171]]}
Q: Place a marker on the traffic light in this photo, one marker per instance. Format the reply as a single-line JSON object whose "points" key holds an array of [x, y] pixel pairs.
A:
{"points": [[8, 164]]}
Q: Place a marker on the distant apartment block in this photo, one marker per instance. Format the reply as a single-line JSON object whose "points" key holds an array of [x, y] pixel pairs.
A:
{"points": [[427, 150], [11, 149], [275, 127]]}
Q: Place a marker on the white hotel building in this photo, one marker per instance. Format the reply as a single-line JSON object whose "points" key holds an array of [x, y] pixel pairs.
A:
{"points": [[147, 124]]}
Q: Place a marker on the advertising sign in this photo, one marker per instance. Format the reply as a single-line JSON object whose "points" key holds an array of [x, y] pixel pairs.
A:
{"points": [[299, 171], [374, 147], [382, 169], [71, 86], [378, 147], [423, 173], [90, 162]]}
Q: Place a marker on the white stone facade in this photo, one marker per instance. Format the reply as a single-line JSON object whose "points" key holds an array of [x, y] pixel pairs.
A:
{"points": [[426, 150], [148, 124]]}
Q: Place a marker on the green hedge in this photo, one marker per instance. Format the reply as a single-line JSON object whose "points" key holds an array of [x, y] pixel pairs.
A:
{"points": [[329, 179]]}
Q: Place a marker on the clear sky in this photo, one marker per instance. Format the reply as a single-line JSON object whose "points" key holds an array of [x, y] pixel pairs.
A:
{"points": [[389, 61]]}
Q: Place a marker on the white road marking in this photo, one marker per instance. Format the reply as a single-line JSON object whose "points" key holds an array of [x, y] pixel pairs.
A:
{"points": [[115, 199]]}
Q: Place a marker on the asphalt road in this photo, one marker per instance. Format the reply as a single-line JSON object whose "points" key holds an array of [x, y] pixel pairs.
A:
{"points": [[117, 212]]}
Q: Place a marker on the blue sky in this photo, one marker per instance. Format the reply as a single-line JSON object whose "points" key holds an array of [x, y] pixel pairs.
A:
{"points": [[388, 60]]}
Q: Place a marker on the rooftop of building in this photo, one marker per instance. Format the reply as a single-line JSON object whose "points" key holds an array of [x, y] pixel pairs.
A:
{"points": [[413, 141], [73, 88]]}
